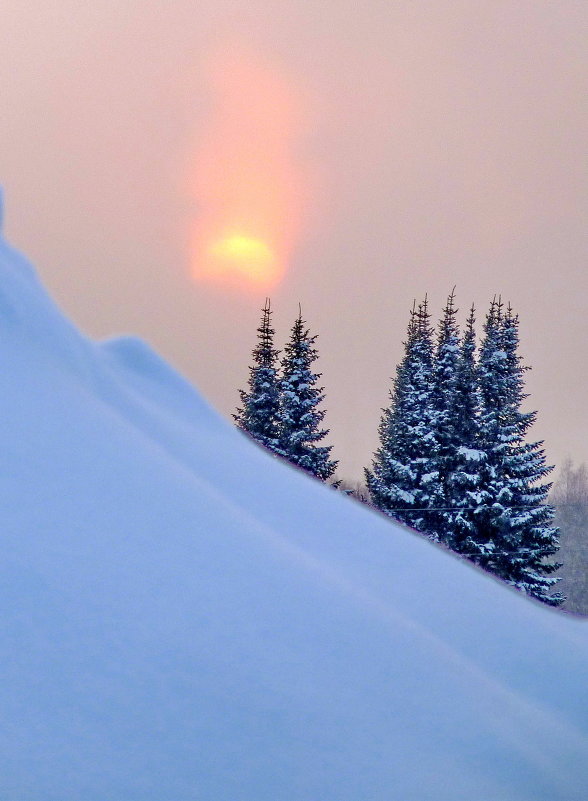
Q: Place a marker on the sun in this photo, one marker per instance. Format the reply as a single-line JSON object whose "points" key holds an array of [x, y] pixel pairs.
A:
{"points": [[247, 255], [248, 181]]}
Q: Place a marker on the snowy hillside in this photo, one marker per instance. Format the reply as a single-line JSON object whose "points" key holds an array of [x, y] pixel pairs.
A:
{"points": [[186, 619]]}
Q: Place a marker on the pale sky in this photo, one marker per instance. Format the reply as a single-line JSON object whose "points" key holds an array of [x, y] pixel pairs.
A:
{"points": [[399, 148]]}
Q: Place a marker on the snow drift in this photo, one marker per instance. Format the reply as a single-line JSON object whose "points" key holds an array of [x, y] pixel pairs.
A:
{"points": [[186, 619]]}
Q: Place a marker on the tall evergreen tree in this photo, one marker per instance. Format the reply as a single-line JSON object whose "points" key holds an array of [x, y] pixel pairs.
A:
{"points": [[299, 417], [513, 532], [404, 481], [445, 379], [464, 480], [258, 414], [390, 481]]}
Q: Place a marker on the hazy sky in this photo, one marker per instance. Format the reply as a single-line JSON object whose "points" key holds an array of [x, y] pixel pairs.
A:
{"points": [[387, 149]]}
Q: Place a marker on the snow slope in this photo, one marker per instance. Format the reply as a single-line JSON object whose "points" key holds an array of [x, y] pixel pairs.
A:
{"points": [[183, 618]]}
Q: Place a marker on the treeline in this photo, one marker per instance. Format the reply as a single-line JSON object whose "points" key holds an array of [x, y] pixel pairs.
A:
{"points": [[569, 497], [453, 461]]}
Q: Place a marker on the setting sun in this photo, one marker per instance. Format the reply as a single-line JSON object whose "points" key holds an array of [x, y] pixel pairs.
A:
{"points": [[248, 255], [248, 181]]}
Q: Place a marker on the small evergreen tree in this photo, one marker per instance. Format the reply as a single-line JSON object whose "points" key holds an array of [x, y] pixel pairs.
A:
{"points": [[513, 531], [258, 414], [298, 416], [404, 481]]}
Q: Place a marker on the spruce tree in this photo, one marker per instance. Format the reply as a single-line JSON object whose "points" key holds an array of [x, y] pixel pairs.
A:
{"points": [[299, 417], [514, 535], [390, 481], [258, 414], [464, 479], [404, 481], [445, 379]]}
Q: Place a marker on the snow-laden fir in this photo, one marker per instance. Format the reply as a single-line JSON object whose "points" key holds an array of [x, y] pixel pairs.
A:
{"points": [[299, 413], [453, 439], [258, 414], [187, 618]]}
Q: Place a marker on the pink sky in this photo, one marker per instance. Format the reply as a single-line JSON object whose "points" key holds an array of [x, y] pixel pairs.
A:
{"points": [[442, 143]]}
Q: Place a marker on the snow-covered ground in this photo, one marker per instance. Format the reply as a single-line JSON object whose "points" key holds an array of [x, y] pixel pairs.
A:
{"points": [[183, 618]]}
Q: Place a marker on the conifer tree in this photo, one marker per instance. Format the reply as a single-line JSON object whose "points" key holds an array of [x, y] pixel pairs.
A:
{"points": [[390, 481], [404, 481], [258, 414], [512, 522], [299, 417], [464, 479], [445, 378]]}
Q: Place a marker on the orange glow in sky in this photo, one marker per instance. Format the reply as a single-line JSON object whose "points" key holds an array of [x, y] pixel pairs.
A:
{"points": [[247, 184], [244, 254]]}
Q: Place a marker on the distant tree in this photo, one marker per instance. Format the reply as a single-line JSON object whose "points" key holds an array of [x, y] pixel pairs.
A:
{"points": [[258, 414], [513, 531], [570, 499], [404, 480], [299, 417], [356, 490]]}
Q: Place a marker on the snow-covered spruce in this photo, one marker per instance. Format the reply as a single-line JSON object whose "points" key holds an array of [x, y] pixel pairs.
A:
{"points": [[299, 417], [513, 531], [464, 477], [453, 462], [405, 468], [257, 415], [445, 373]]}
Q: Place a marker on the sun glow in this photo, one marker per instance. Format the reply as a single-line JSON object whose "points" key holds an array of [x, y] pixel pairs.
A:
{"points": [[245, 254], [248, 184]]}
